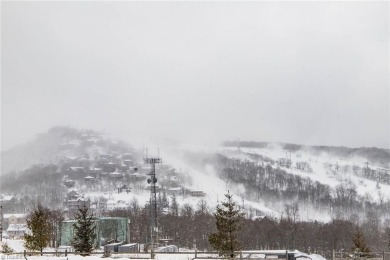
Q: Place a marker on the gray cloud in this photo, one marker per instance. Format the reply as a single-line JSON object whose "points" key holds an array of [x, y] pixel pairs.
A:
{"points": [[304, 72]]}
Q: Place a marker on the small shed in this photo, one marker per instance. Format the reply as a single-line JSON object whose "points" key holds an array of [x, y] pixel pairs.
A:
{"points": [[129, 248], [113, 247]]}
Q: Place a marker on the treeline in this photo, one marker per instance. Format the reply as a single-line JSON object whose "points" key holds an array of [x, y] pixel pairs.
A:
{"points": [[189, 227], [372, 154], [38, 183], [263, 181]]}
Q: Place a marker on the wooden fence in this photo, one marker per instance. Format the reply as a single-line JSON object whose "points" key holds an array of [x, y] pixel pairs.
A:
{"points": [[361, 256]]}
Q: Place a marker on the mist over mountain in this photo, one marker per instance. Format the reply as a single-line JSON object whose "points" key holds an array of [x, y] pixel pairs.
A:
{"points": [[322, 182], [58, 142], [374, 155]]}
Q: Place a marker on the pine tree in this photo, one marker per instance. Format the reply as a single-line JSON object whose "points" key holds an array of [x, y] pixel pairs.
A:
{"points": [[359, 247], [388, 238], [84, 231], [228, 219], [174, 206], [40, 230]]}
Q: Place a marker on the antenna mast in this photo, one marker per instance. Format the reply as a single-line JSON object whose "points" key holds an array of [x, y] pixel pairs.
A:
{"points": [[153, 199], [1, 223]]}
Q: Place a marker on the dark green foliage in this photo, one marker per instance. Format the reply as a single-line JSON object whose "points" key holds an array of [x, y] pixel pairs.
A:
{"points": [[359, 243], [84, 231], [228, 219], [40, 230]]}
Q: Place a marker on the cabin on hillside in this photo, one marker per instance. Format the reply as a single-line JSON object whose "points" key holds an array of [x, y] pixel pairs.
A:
{"points": [[197, 193], [17, 231], [12, 219]]}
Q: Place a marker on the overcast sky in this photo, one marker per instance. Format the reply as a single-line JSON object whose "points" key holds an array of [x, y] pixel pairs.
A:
{"points": [[301, 72]]}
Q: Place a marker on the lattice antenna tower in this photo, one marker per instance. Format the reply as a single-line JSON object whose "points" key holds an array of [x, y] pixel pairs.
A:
{"points": [[1, 223], [152, 161]]}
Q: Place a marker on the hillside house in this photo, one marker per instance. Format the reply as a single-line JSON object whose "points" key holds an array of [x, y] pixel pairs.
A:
{"points": [[74, 204], [116, 175], [128, 162], [69, 159], [17, 231], [113, 205], [72, 195], [89, 179], [124, 188], [13, 219], [197, 193], [137, 176], [69, 183]]}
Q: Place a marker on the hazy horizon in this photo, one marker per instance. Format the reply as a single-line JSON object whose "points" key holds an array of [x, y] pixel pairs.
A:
{"points": [[310, 73]]}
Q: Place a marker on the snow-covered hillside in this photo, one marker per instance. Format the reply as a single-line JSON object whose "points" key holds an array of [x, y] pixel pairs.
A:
{"points": [[326, 169], [264, 180]]}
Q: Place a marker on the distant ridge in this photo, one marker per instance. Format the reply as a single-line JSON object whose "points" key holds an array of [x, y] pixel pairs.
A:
{"points": [[372, 154], [50, 147]]}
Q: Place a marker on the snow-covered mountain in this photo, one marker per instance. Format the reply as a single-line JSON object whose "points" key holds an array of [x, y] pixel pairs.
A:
{"points": [[265, 178]]}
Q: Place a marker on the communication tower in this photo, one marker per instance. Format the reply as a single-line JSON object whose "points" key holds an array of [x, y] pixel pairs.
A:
{"points": [[152, 161]]}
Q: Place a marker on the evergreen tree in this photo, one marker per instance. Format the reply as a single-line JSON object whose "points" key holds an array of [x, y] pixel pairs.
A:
{"points": [[84, 231], [228, 219], [388, 238], [359, 247], [40, 230], [174, 206]]}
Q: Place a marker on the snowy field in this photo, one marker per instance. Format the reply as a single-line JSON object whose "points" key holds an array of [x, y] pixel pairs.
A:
{"points": [[125, 256], [18, 247]]}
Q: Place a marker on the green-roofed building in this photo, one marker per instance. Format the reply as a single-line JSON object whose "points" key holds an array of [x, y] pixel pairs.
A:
{"points": [[107, 230]]}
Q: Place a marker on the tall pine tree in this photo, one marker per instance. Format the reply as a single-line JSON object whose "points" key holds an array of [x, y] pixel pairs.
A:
{"points": [[40, 230], [228, 219], [388, 238], [84, 231], [359, 247]]}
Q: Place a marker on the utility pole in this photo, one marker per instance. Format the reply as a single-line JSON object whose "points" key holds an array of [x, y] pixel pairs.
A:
{"points": [[367, 168], [152, 161], [1, 223]]}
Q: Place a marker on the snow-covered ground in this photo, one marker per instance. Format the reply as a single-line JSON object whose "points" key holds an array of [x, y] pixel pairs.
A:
{"points": [[320, 172], [207, 180], [18, 247], [214, 187]]}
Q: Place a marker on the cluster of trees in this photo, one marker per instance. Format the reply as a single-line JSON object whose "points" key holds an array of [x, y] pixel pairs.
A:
{"points": [[272, 185], [228, 221], [190, 227], [226, 229], [38, 183], [43, 231]]}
